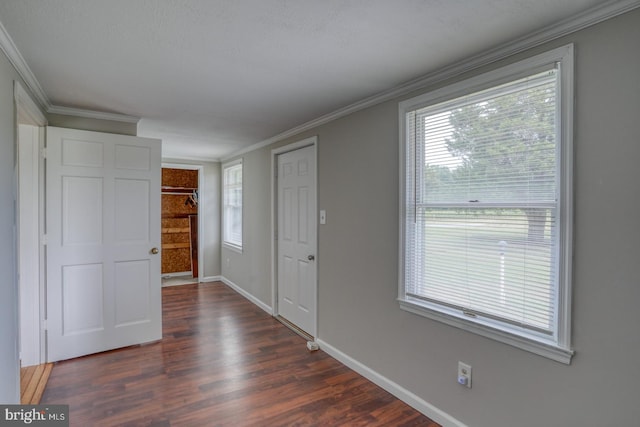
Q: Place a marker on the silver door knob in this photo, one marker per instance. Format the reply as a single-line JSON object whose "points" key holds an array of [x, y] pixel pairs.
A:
{"points": [[154, 251], [311, 257]]}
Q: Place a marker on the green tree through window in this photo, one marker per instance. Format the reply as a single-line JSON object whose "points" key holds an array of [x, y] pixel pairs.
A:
{"points": [[504, 142]]}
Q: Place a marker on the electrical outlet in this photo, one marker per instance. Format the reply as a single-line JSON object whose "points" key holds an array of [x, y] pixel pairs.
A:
{"points": [[464, 374]]}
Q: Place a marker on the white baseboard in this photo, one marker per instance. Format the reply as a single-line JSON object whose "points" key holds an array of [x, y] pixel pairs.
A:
{"points": [[211, 279], [247, 295], [398, 391]]}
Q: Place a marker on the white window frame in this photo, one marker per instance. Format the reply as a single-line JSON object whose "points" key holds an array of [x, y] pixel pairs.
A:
{"points": [[558, 347], [233, 245]]}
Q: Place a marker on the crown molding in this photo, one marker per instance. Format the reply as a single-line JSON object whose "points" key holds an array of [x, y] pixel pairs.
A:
{"points": [[91, 114], [561, 28], [15, 57]]}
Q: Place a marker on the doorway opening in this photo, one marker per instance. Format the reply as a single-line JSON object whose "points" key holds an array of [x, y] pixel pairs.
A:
{"points": [[181, 243]]}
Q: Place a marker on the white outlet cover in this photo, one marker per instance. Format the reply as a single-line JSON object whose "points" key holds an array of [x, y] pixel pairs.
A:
{"points": [[464, 371]]}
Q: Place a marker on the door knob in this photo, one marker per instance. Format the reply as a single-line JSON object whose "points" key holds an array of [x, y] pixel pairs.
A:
{"points": [[311, 257], [154, 251]]}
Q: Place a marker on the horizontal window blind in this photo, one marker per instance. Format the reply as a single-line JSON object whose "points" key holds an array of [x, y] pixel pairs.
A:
{"points": [[482, 204], [485, 264]]}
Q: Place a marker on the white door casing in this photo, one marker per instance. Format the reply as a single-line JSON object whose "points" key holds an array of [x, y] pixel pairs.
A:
{"points": [[103, 219], [28, 205], [30, 123], [297, 238]]}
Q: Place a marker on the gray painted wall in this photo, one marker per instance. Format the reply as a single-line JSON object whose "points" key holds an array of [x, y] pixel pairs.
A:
{"points": [[209, 194], [251, 269], [358, 266]]}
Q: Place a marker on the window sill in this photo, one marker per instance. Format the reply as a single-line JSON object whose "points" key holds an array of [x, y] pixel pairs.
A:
{"points": [[548, 350], [232, 247]]}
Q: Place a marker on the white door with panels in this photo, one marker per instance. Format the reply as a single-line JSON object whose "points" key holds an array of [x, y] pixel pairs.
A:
{"points": [[297, 236], [103, 235]]}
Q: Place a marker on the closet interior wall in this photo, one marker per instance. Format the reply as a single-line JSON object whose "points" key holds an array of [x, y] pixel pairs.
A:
{"points": [[179, 222]]}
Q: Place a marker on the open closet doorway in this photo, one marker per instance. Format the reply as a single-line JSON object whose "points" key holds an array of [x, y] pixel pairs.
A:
{"points": [[181, 224]]}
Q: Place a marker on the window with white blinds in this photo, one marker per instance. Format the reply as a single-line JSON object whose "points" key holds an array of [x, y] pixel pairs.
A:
{"points": [[485, 210], [232, 204]]}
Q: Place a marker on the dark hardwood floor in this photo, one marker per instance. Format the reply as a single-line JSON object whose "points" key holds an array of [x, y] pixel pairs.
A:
{"points": [[222, 362]]}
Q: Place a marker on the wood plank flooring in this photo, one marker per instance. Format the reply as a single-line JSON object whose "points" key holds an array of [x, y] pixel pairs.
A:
{"points": [[33, 380], [222, 362]]}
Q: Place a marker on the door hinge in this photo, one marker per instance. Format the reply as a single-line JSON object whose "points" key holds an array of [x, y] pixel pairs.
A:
{"points": [[44, 240], [45, 325], [43, 153]]}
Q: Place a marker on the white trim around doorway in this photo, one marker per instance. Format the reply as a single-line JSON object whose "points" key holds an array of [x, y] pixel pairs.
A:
{"points": [[31, 314]]}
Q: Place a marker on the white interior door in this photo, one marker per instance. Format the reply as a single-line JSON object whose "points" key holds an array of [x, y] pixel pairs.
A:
{"points": [[297, 236], [103, 219]]}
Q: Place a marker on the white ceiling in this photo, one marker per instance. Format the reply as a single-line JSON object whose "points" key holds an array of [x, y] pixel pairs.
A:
{"points": [[211, 77]]}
